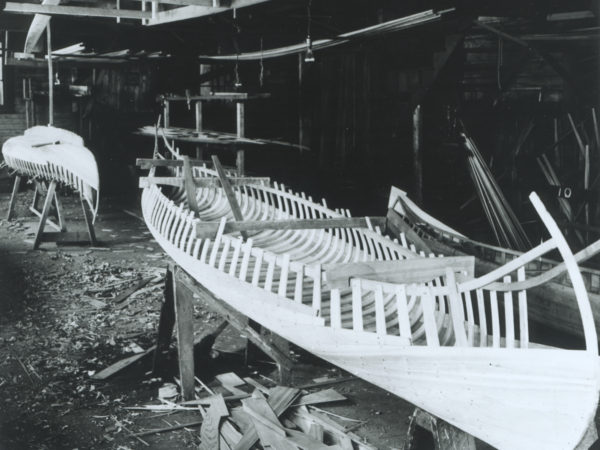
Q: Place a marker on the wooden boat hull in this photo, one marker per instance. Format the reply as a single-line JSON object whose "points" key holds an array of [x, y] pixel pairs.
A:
{"points": [[518, 398], [554, 306], [51, 153]]}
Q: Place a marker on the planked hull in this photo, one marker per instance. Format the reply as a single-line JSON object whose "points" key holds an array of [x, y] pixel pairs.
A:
{"points": [[425, 342], [51, 153]]}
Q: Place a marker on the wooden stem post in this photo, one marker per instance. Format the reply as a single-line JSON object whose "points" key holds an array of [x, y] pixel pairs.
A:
{"points": [[417, 153], [50, 76]]}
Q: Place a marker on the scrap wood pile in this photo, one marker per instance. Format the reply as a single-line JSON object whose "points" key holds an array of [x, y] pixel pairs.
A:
{"points": [[245, 414]]}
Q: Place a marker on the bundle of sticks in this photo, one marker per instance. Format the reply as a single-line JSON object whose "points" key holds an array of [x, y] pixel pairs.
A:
{"points": [[505, 225]]}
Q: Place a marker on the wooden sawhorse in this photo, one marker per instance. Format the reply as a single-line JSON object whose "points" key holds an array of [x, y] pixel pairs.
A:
{"points": [[51, 205], [177, 308]]}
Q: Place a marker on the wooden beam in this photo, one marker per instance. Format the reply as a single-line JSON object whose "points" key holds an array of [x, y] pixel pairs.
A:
{"points": [[190, 12], [182, 2], [233, 204], [81, 11], [417, 153], [50, 76], [149, 163], [215, 96], [415, 270], [209, 229], [203, 182]]}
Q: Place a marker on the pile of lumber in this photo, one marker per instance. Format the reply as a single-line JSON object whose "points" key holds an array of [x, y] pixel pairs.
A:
{"points": [[243, 414]]}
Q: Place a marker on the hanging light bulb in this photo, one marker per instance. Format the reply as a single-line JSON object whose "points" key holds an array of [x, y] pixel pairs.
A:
{"points": [[309, 57]]}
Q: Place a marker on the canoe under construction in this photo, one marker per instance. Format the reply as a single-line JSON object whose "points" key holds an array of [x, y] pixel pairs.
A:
{"points": [[555, 303], [421, 328], [54, 154]]}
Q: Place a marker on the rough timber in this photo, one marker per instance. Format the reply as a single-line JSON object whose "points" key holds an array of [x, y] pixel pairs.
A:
{"points": [[554, 304], [54, 154], [429, 333]]}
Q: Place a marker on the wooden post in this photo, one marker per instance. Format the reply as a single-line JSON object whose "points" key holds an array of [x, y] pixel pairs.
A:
{"points": [[199, 127], [50, 76], [165, 326], [184, 316], [44, 215], [13, 198], [300, 112], [239, 161], [87, 215], [417, 154], [233, 204], [166, 110]]}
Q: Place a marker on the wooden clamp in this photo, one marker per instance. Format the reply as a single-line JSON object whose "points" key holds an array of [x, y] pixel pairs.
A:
{"points": [[209, 229]]}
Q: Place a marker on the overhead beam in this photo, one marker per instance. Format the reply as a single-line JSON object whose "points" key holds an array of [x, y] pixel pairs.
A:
{"points": [[183, 2], [81, 11], [193, 11]]}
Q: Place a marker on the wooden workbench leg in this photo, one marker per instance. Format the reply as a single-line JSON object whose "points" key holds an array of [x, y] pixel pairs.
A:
{"points": [[165, 327], [87, 215], [44, 216], [184, 316], [13, 198]]}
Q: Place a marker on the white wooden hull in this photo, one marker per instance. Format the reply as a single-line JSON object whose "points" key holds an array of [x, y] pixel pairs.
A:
{"points": [[51, 153], [504, 391]]}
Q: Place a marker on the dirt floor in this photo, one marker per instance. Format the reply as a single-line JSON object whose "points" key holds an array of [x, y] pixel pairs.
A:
{"points": [[59, 325]]}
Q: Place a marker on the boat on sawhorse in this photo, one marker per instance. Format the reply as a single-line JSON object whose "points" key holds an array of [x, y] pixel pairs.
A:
{"points": [[422, 328]]}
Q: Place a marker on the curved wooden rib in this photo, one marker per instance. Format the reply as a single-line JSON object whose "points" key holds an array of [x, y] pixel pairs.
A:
{"points": [[455, 346], [50, 153]]}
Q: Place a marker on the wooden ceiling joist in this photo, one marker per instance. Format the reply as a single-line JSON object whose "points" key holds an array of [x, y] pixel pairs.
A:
{"points": [[194, 11], [82, 11]]}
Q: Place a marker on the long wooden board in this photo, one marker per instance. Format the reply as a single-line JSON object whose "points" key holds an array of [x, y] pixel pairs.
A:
{"points": [[202, 181], [416, 270], [209, 229]]}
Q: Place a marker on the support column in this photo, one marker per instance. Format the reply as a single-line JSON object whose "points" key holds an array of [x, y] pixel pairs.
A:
{"points": [[417, 154], [50, 76], [239, 160]]}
